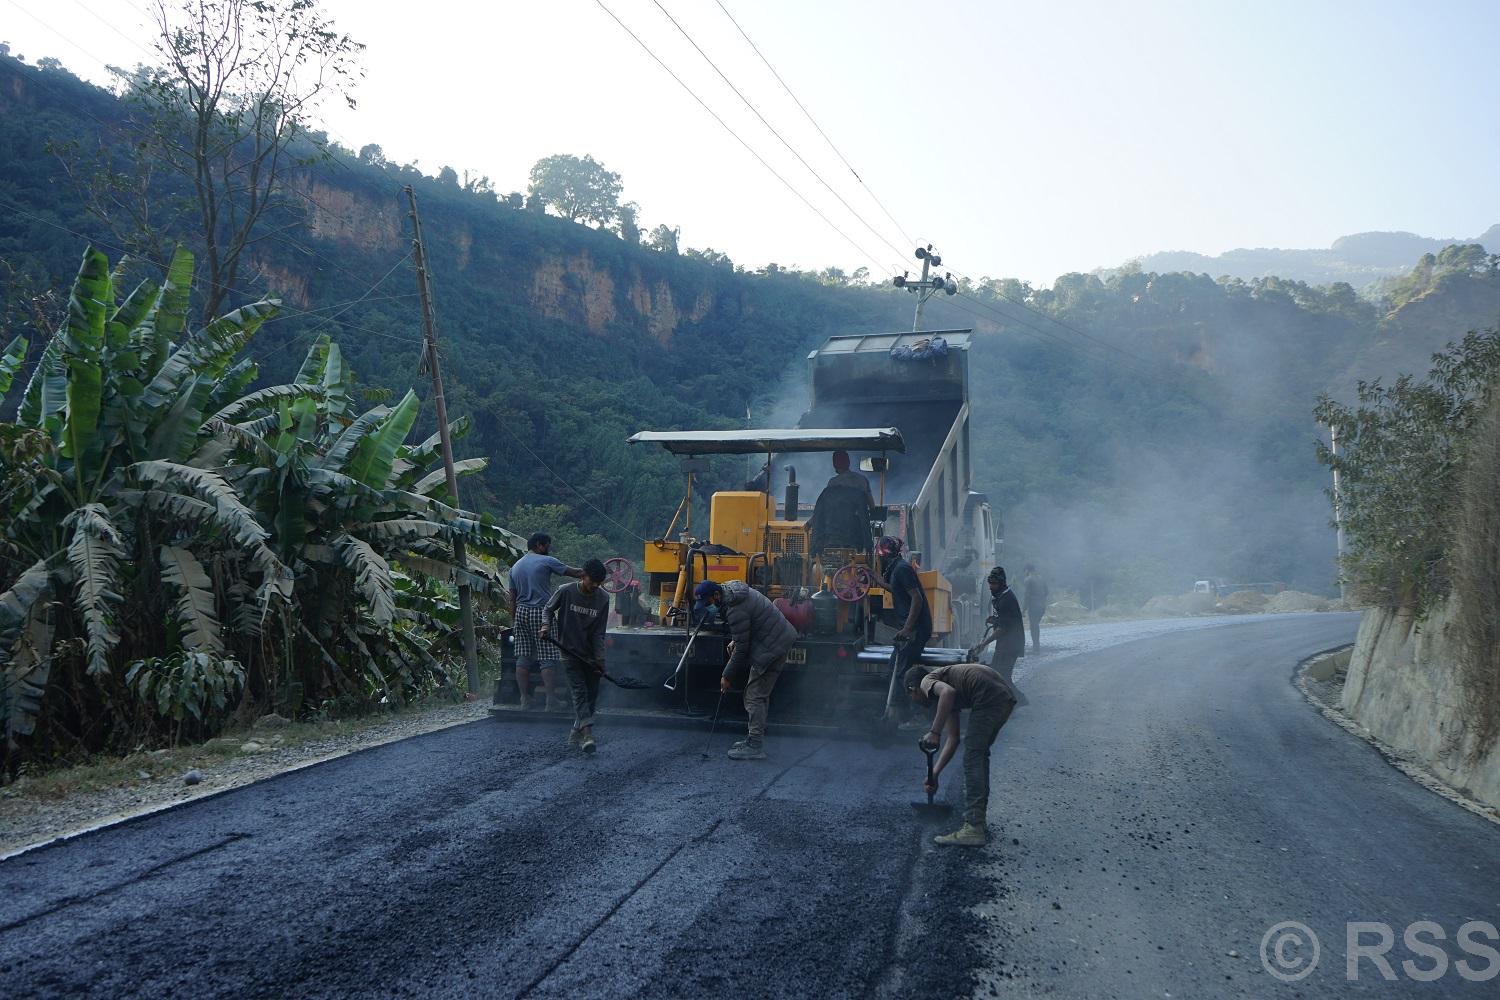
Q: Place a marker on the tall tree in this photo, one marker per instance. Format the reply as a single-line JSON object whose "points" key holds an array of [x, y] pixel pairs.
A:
{"points": [[577, 188], [664, 239], [226, 110], [628, 224]]}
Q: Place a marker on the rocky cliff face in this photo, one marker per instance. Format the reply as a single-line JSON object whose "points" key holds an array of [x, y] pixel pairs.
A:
{"points": [[573, 288], [1403, 686], [347, 218], [577, 289]]}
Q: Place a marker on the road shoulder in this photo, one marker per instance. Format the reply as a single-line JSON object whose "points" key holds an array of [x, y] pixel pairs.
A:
{"points": [[146, 783], [1320, 679]]}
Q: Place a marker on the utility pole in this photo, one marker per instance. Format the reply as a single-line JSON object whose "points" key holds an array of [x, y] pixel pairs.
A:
{"points": [[927, 287], [1338, 507], [431, 363]]}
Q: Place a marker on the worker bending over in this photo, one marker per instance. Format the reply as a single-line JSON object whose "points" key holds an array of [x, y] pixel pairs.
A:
{"points": [[761, 638], [576, 618], [989, 700]]}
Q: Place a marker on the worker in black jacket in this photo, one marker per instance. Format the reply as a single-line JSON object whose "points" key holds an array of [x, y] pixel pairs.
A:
{"points": [[761, 639], [1006, 630]]}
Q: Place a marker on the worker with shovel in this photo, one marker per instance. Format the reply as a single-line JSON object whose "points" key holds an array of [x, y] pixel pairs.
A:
{"points": [[762, 637], [989, 700], [1006, 631], [575, 619]]}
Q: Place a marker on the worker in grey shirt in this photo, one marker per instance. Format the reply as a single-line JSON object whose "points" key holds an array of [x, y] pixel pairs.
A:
{"points": [[530, 589], [576, 617], [1035, 603]]}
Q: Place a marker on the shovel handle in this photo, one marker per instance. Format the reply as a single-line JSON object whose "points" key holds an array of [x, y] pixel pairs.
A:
{"points": [[929, 754]]}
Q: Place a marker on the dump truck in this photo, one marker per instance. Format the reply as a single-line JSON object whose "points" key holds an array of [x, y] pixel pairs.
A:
{"points": [[817, 559], [901, 379]]}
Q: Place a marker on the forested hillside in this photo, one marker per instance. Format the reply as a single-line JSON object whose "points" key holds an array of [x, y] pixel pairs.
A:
{"points": [[1133, 432]]}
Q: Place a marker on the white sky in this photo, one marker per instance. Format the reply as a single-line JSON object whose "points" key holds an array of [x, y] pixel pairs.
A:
{"points": [[1021, 138]]}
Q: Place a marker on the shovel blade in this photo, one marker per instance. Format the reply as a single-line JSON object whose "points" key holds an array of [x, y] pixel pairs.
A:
{"points": [[932, 808]]}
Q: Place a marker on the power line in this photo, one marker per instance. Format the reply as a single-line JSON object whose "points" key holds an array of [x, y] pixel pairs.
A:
{"points": [[575, 491], [748, 148], [756, 111], [815, 124], [1151, 372]]}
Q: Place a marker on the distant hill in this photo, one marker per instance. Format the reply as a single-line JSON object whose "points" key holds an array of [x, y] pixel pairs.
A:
{"points": [[1361, 259]]}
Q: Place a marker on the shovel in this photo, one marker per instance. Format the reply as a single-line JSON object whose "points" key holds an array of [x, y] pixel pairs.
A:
{"points": [[930, 808], [629, 683]]}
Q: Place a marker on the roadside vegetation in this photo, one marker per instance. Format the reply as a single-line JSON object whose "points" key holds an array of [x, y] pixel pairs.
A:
{"points": [[1419, 468], [180, 548]]}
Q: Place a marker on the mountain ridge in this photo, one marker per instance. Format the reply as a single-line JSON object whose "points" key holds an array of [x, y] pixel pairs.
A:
{"points": [[1361, 259]]}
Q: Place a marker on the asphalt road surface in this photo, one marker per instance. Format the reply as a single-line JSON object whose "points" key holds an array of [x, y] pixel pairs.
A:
{"points": [[1160, 804]]}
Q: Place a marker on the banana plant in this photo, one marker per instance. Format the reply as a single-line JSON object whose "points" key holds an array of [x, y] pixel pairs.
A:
{"points": [[101, 515], [173, 534], [357, 514]]}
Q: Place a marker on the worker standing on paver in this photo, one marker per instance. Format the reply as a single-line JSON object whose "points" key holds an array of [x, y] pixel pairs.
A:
{"points": [[1006, 630], [576, 618], [846, 478], [989, 700], [530, 589], [761, 637], [1034, 600]]}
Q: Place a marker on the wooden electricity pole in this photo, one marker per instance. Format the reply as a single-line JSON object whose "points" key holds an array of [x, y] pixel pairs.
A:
{"points": [[430, 360]]}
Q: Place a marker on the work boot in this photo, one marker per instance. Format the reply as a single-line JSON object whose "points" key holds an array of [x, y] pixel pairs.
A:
{"points": [[747, 751], [575, 738], [967, 835], [586, 739]]}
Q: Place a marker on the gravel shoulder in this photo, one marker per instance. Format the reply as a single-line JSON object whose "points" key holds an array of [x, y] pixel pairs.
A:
{"points": [[66, 802]]}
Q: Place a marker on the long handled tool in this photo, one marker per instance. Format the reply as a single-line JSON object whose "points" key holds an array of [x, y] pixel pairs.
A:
{"points": [[671, 682], [890, 694], [629, 683], [712, 728], [930, 808]]}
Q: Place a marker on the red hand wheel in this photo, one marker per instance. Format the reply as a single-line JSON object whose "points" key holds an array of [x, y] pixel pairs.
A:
{"points": [[618, 574], [852, 582]]}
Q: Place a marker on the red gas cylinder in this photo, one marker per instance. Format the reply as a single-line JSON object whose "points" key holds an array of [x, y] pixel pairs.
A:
{"points": [[799, 613]]}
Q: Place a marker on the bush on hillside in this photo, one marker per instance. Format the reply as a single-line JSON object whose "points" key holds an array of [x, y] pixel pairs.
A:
{"points": [[1476, 579], [1402, 451]]}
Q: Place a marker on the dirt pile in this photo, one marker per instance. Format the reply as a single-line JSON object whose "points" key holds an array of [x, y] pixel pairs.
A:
{"points": [[1296, 600], [1181, 604], [1243, 602]]}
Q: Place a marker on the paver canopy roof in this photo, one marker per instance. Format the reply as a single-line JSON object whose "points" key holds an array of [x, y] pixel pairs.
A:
{"points": [[785, 440]]}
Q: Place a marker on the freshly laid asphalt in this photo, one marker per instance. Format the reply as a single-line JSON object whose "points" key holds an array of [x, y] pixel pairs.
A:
{"points": [[1159, 805]]}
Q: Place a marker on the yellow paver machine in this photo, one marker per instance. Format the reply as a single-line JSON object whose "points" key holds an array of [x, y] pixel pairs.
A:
{"points": [[810, 547]]}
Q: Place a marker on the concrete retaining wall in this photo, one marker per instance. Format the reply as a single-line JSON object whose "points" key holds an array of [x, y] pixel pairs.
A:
{"points": [[1403, 686]]}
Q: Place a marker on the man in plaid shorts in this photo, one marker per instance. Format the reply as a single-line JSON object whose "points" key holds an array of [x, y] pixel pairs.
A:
{"points": [[530, 589]]}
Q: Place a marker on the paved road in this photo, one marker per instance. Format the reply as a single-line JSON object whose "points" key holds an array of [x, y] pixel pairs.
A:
{"points": [[1172, 796]]}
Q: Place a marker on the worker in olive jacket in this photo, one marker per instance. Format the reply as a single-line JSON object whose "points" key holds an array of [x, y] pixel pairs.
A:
{"points": [[761, 638]]}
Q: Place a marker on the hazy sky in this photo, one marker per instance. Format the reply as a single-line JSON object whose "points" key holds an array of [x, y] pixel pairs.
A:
{"points": [[1022, 138]]}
